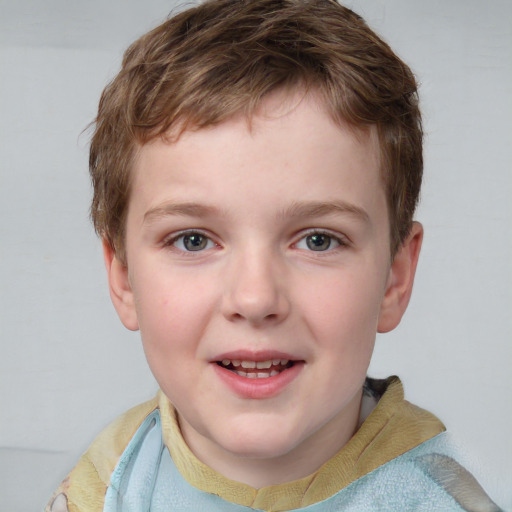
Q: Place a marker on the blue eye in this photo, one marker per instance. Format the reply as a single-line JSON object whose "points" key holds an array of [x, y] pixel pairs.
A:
{"points": [[192, 242], [318, 242]]}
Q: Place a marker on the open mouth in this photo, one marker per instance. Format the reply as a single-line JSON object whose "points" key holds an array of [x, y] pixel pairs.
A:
{"points": [[256, 369]]}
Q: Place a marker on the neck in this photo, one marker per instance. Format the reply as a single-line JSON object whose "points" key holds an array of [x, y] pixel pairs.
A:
{"points": [[300, 462]]}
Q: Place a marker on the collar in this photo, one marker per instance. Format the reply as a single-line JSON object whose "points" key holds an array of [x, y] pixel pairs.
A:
{"points": [[390, 426]]}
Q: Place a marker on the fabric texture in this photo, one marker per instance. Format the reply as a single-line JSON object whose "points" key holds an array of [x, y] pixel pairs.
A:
{"points": [[397, 460]]}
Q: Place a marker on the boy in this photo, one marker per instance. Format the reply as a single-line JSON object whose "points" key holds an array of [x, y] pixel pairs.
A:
{"points": [[256, 166]]}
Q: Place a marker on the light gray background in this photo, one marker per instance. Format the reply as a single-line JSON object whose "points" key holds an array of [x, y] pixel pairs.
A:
{"points": [[67, 366]]}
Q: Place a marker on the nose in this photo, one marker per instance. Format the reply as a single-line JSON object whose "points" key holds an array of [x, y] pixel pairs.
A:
{"points": [[255, 289]]}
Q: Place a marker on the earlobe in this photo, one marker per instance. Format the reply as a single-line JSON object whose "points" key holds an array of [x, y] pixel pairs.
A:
{"points": [[121, 291], [400, 280]]}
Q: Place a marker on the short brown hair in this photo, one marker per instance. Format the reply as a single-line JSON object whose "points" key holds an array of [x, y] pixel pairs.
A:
{"points": [[221, 58]]}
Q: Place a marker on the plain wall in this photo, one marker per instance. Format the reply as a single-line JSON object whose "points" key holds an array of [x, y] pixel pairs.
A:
{"points": [[68, 367]]}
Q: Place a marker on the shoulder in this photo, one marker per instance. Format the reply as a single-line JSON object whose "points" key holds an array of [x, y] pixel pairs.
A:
{"points": [[455, 480], [425, 479], [85, 486]]}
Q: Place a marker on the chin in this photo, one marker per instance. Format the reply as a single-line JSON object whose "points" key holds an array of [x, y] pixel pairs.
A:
{"points": [[260, 444], [261, 450]]}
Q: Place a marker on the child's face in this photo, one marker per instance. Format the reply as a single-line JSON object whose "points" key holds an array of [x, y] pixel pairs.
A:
{"points": [[266, 246]]}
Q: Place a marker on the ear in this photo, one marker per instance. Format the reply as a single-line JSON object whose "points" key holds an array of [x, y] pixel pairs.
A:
{"points": [[400, 280], [121, 291]]}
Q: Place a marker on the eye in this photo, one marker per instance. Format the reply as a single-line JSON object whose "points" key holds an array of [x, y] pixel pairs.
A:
{"points": [[192, 241], [319, 242]]}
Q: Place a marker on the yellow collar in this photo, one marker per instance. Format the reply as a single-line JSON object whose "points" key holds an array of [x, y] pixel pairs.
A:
{"points": [[391, 429]]}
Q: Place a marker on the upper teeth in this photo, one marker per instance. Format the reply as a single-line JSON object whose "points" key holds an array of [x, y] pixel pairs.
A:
{"points": [[255, 364]]}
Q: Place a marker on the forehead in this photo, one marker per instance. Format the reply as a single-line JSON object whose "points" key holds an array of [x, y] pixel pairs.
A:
{"points": [[290, 149]]}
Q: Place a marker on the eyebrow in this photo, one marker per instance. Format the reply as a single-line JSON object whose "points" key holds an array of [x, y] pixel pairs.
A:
{"points": [[295, 210], [184, 209], [321, 208]]}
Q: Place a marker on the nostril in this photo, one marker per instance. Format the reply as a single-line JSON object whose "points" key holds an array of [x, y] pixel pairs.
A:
{"points": [[257, 301]]}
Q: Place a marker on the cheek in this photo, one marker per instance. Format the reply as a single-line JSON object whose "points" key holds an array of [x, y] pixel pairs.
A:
{"points": [[172, 311], [343, 314], [345, 303], [159, 294], [166, 324], [169, 336]]}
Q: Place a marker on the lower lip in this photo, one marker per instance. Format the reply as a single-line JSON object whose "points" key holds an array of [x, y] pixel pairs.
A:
{"points": [[258, 388]]}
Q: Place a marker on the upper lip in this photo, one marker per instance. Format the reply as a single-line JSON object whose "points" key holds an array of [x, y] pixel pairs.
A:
{"points": [[260, 355]]}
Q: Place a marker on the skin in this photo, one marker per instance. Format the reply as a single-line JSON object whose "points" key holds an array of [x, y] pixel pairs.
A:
{"points": [[258, 198]]}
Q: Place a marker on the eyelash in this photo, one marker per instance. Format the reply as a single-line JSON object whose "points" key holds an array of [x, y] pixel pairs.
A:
{"points": [[339, 240], [173, 239]]}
